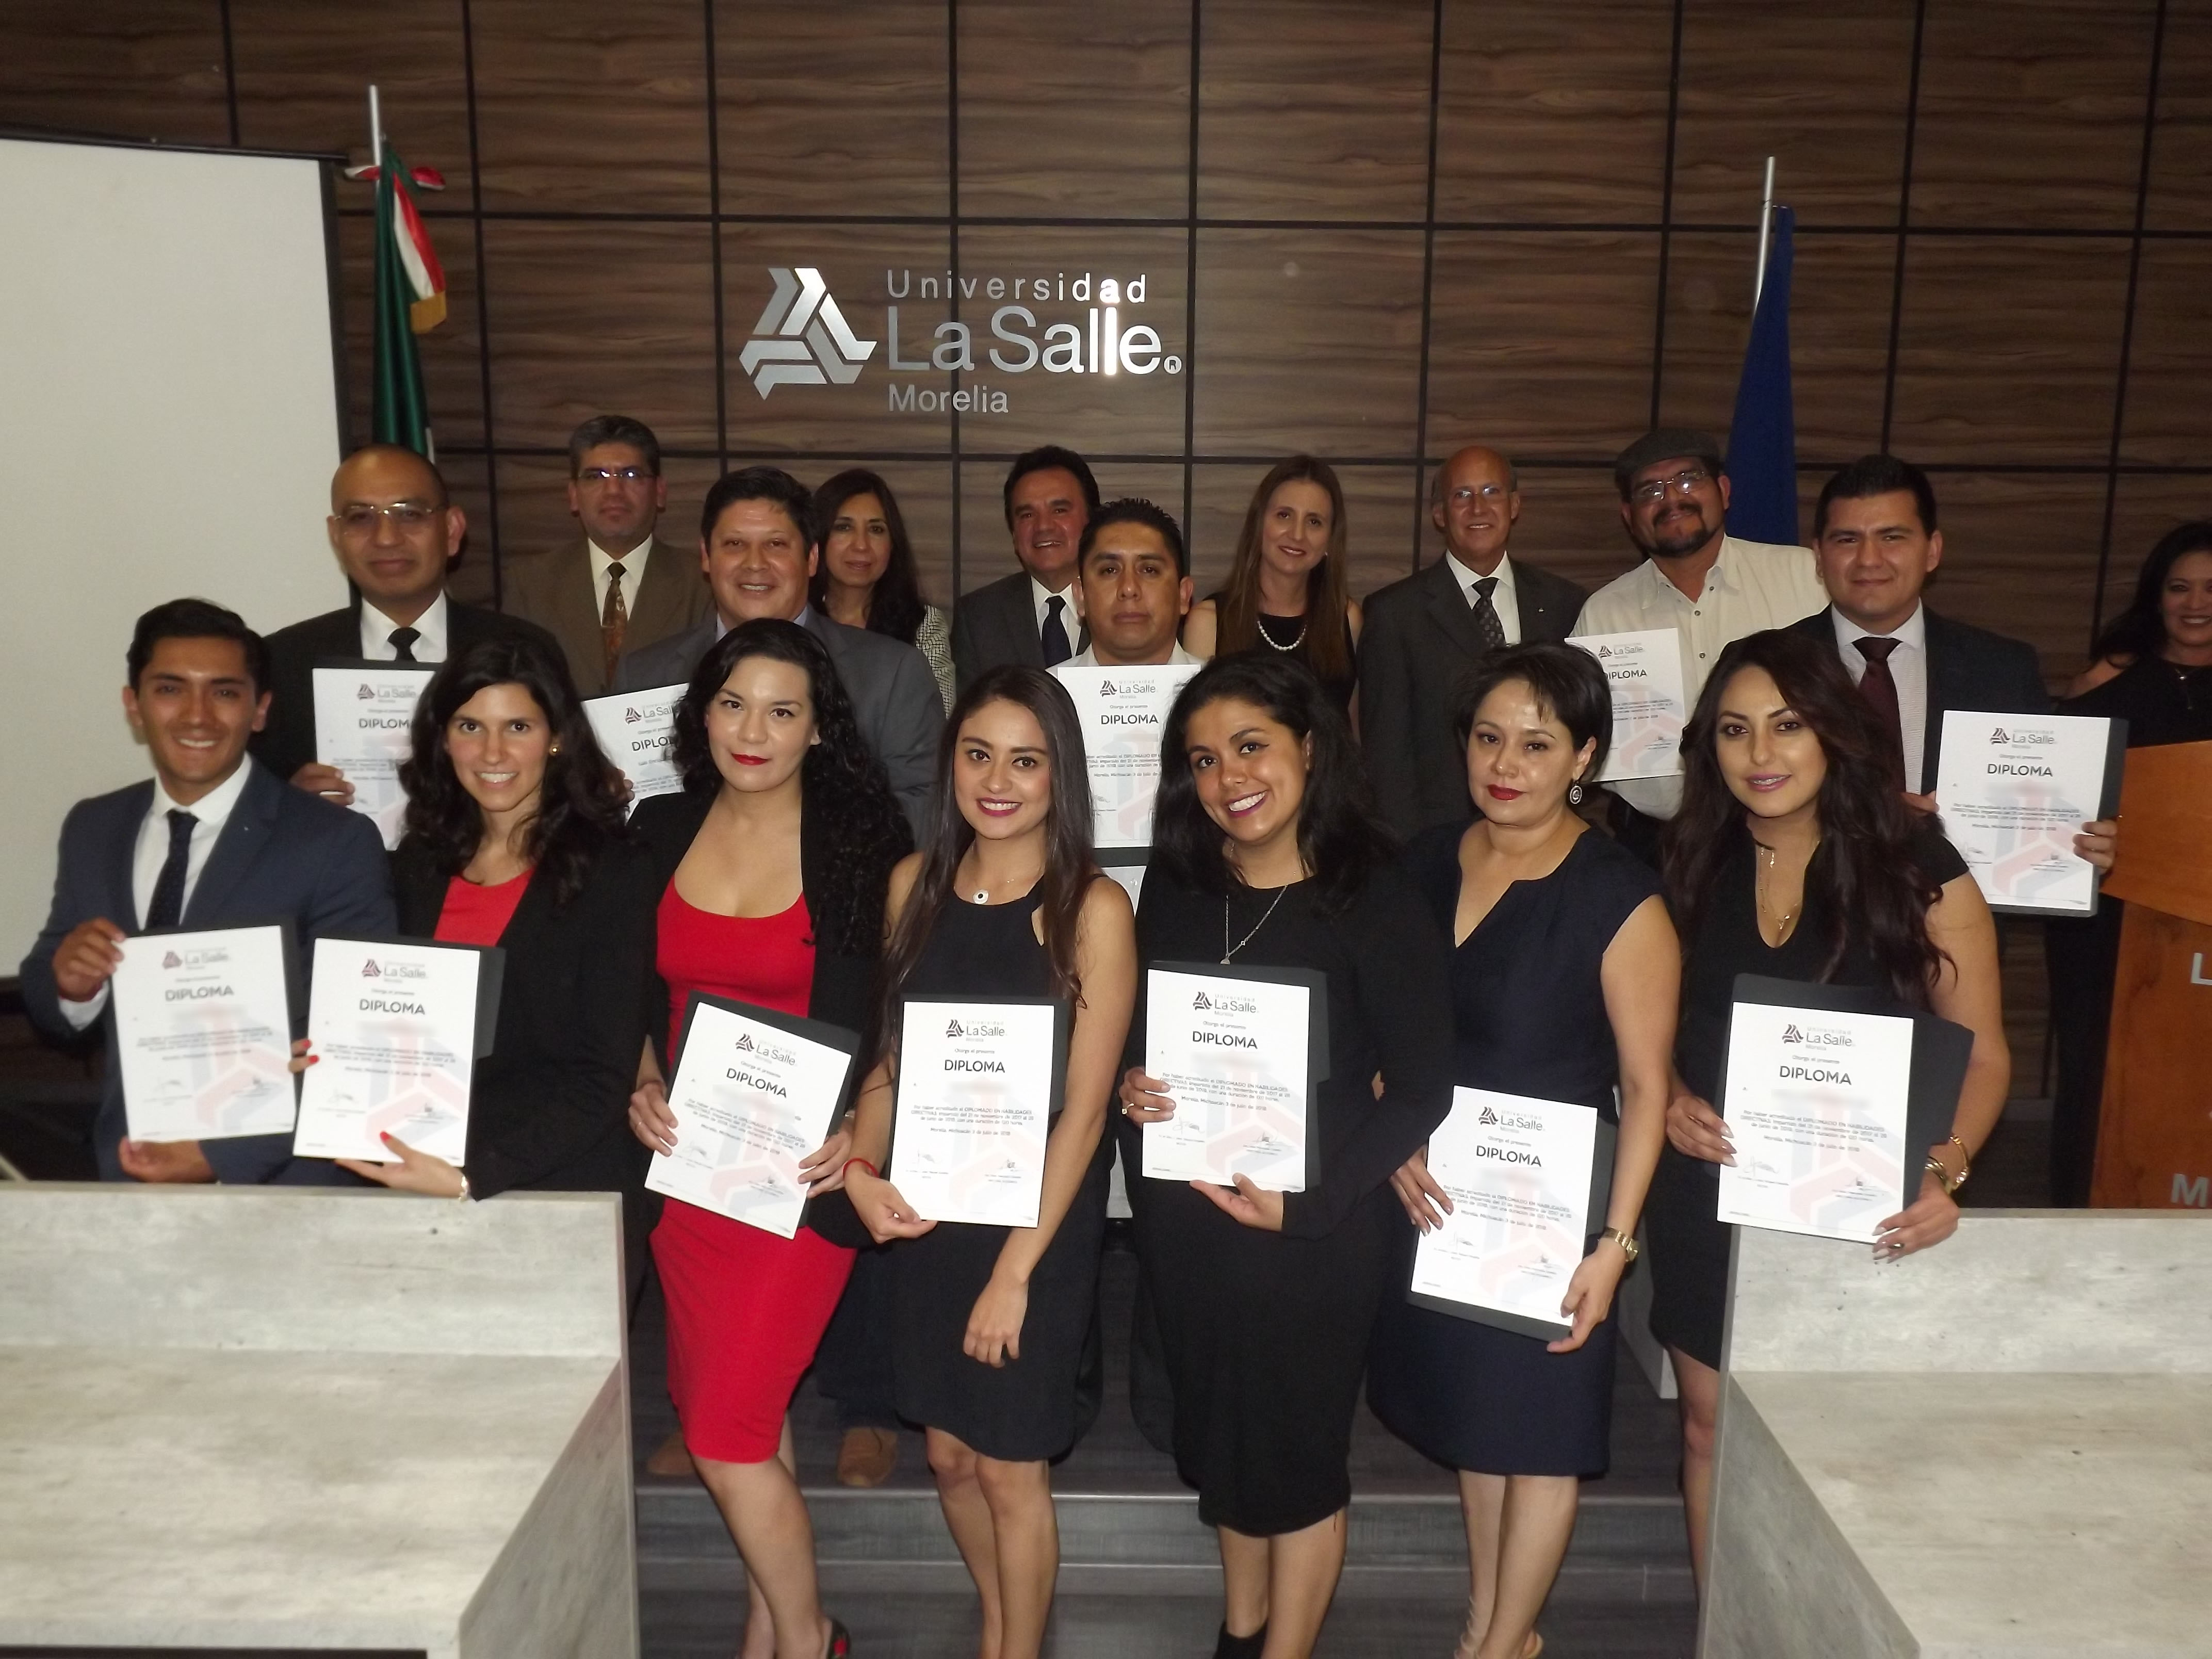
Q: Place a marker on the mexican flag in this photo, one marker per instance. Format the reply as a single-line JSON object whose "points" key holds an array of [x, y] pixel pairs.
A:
{"points": [[411, 300]]}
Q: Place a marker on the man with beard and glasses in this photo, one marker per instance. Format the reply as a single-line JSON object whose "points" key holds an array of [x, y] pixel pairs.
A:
{"points": [[1707, 585]]}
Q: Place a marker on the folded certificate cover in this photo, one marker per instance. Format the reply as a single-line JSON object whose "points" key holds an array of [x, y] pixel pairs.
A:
{"points": [[1244, 1052], [2014, 790], [204, 1031], [980, 1082], [364, 723], [636, 731]]}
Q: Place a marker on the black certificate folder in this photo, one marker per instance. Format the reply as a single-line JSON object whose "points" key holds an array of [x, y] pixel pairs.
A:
{"points": [[1316, 984], [1941, 1050]]}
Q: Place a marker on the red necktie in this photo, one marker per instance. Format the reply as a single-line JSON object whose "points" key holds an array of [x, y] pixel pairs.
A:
{"points": [[1880, 689]]}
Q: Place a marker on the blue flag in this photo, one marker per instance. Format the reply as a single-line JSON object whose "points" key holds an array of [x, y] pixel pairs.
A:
{"points": [[1762, 452]]}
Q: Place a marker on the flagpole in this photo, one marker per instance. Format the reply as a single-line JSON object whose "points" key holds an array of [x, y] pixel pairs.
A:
{"points": [[376, 140], [1766, 226]]}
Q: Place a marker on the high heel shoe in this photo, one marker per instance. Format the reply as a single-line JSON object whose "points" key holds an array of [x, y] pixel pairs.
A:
{"points": [[840, 1645], [1240, 1647]]}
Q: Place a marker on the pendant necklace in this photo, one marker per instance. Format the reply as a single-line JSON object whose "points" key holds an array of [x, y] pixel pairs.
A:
{"points": [[1784, 920], [1229, 950]]}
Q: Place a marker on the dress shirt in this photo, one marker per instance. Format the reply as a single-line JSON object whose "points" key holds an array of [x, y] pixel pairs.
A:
{"points": [[1040, 596], [1504, 599], [430, 630], [1088, 657], [1752, 586], [212, 810], [1908, 666], [633, 564]]}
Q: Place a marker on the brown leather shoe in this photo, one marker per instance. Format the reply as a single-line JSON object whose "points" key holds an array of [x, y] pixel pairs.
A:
{"points": [[866, 1456], [669, 1457]]}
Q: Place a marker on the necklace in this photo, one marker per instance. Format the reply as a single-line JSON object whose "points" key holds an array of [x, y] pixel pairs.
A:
{"points": [[1261, 624], [1784, 920], [1229, 950]]}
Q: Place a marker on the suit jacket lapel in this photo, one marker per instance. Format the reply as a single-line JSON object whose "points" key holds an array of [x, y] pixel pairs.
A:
{"points": [[248, 830], [669, 577], [1942, 693], [574, 622], [117, 859], [1449, 609]]}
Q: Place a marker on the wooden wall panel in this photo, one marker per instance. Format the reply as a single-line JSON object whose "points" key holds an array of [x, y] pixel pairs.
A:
{"points": [[1553, 113], [2032, 113], [475, 577], [2145, 506], [584, 108], [2009, 349], [1307, 339], [139, 69], [1570, 524], [1314, 109], [2181, 148], [1540, 343], [2170, 356], [1378, 510], [1760, 80], [1049, 87], [2019, 555], [830, 109]]}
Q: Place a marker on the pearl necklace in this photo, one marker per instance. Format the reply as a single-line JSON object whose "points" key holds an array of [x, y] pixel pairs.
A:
{"points": [[1293, 645]]}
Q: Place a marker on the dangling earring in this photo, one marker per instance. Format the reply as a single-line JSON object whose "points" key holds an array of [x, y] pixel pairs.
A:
{"points": [[1575, 794]]}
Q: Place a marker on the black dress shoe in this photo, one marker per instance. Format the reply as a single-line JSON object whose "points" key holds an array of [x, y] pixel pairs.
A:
{"points": [[1240, 1647]]}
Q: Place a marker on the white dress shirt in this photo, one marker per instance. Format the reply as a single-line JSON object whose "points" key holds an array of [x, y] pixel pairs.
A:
{"points": [[1752, 586], [1504, 599], [1041, 598], [633, 564], [212, 810], [1908, 666], [1088, 657], [430, 628]]}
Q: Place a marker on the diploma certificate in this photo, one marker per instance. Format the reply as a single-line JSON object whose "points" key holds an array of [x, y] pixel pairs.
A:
{"points": [[978, 1083], [1123, 711], [395, 1027], [1816, 1106], [1236, 1050], [364, 719], [1518, 1171], [2014, 790], [753, 1094], [1650, 703], [636, 731], [203, 1028]]}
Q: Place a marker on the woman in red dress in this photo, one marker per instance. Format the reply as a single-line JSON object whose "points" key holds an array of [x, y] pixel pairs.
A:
{"points": [[773, 862]]}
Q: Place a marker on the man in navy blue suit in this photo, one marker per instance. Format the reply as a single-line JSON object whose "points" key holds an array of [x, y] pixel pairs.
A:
{"points": [[213, 840]]}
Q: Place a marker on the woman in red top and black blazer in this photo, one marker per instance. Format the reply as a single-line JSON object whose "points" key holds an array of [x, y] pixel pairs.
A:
{"points": [[515, 838]]}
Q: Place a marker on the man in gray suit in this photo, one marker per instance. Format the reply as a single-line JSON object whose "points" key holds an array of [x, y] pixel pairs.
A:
{"points": [[618, 589], [1426, 631], [1031, 617], [758, 545]]}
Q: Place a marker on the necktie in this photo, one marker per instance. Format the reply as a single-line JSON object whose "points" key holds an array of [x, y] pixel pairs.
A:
{"points": [[167, 909], [403, 643], [1056, 649], [1487, 623], [1880, 688], [614, 620]]}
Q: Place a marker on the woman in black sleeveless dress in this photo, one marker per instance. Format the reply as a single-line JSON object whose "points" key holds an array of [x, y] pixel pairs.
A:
{"points": [[1795, 856], [1263, 856], [1004, 902], [1564, 985]]}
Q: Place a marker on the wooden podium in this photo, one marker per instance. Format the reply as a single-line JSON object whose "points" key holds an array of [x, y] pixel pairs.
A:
{"points": [[2154, 1130]]}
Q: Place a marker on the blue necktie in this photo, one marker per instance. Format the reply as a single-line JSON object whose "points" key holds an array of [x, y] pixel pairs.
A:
{"points": [[167, 909]]}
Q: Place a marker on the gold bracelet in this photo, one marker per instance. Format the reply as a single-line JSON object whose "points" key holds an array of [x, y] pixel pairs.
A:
{"points": [[1628, 1246], [1966, 1163], [1934, 1167]]}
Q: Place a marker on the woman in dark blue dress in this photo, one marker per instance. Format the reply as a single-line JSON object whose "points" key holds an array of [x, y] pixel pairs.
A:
{"points": [[1564, 980]]}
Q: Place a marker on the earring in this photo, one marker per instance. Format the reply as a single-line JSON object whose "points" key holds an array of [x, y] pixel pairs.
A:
{"points": [[554, 750], [1575, 794]]}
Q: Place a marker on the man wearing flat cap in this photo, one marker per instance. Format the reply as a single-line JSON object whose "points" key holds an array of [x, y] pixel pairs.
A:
{"points": [[1696, 578]]}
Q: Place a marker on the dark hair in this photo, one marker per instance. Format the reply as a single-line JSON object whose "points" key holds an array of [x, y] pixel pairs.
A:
{"points": [[581, 804], [895, 607], [1236, 628], [1069, 868], [1340, 838], [2140, 630], [1045, 458], [195, 619], [1568, 684], [841, 780], [1135, 509], [1877, 475], [761, 483], [614, 429], [1664, 444], [1863, 877]]}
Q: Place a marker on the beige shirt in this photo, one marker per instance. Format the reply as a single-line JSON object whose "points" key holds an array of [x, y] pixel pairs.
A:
{"points": [[1752, 586]]}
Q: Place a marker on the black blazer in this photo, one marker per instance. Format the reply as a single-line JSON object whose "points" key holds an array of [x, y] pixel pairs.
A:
{"points": [[1968, 667], [287, 742], [283, 856], [549, 1108], [997, 623], [1419, 642], [844, 988]]}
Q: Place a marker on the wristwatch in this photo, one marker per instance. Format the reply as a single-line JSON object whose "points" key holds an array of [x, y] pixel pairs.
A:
{"points": [[1628, 1246]]}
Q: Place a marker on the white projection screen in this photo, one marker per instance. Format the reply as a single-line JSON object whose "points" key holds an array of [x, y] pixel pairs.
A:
{"points": [[169, 419]]}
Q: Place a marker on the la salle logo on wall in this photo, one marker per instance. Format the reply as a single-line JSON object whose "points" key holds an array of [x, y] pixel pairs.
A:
{"points": [[802, 338]]}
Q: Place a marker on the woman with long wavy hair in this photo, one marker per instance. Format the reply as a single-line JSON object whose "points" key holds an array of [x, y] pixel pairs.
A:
{"points": [[1265, 854], [1285, 595], [867, 577], [1004, 900], [1794, 857], [770, 869], [514, 837]]}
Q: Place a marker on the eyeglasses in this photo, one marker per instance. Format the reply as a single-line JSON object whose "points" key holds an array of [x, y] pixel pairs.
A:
{"points": [[1490, 492], [606, 474], [1682, 484], [361, 517]]}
